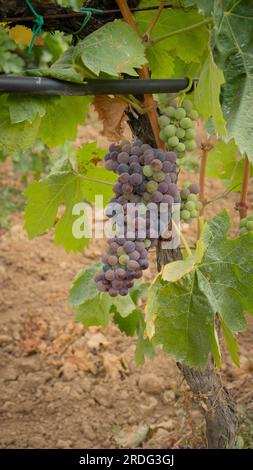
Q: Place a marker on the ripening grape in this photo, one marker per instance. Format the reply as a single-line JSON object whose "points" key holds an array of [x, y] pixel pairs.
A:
{"points": [[187, 105], [194, 213], [169, 130], [180, 133], [193, 115], [249, 225], [173, 141], [180, 113], [190, 205], [163, 121], [156, 164], [123, 259], [135, 179], [159, 176], [192, 196], [190, 134], [129, 246], [123, 157], [147, 171], [169, 111], [186, 123], [122, 168], [152, 186], [190, 145], [194, 188], [157, 197], [180, 147], [185, 214]]}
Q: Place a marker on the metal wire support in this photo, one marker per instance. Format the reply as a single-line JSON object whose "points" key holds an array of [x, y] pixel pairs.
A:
{"points": [[49, 86]]}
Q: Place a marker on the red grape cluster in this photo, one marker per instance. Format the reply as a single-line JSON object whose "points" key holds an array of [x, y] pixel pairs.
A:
{"points": [[145, 175]]}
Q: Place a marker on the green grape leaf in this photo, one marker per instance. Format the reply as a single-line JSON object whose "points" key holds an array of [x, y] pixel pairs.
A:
{"points": [[88, 153], [161, 62], [225, 162], [207, 94], [43, 200], [172, 272], [233, 49], [62, 69], [96, 188], [113, 49], [62, 118], [139, 291], [19, 136], [231, 343], [187, 46], [91, 307], [84, 287], [185, 311], [26, 108], [144, 347], [129, 324], [152, 305]]}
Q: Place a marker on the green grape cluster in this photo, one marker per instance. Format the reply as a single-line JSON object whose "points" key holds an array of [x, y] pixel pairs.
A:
{"points": [[190, 204], [177, 126], [246, 225]]}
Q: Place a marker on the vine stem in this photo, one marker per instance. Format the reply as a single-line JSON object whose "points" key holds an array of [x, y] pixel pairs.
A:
{"points": [[243, 204], [153, 22], [202, 179], [149, 101], [154, 41]]}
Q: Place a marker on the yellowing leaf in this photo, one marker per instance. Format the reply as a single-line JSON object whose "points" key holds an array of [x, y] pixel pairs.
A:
{"points": [[22, 35], [172, 272]]}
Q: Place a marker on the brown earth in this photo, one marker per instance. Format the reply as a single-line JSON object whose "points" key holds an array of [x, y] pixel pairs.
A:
{"points": [[63, 386]]}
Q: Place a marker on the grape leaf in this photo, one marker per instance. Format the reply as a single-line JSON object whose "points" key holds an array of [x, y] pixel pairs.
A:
{"points": [[97, 188], [129, 324], [43, 201], [231, 343], [84, 287], [19, 136], [89, 153], [62, 118], [172, 272], [111, 111], [185, 311], [188, 46], [113, 49], [233, 50], [207, 94], [144, 347], [224, 162], [27, 108]]}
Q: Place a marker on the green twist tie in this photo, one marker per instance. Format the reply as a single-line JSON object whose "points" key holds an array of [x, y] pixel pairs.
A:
{"points": [[87, 18], [39, 21]]}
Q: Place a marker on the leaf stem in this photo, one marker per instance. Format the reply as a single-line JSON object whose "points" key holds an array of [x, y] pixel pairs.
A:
{"points": [[243, 204], [146, 35], [154, 41], [179, 232], [94, 180]]}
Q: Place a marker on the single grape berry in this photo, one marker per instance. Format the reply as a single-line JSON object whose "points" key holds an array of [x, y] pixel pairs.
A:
{"points": [[173, 141], [180, 113], [186, 123], [163, 121], [169, 130], [190, 145]]}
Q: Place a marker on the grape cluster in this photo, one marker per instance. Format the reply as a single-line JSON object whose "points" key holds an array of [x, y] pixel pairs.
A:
{"points": [[177, 126], [190, 205], [145, 175], [246, 225]]}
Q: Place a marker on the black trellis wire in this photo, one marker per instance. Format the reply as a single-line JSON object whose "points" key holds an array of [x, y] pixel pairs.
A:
{"points": [[50, 86]]}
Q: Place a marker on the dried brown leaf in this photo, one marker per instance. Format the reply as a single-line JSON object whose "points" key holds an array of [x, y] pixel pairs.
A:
{"points": [[111, 111]]}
